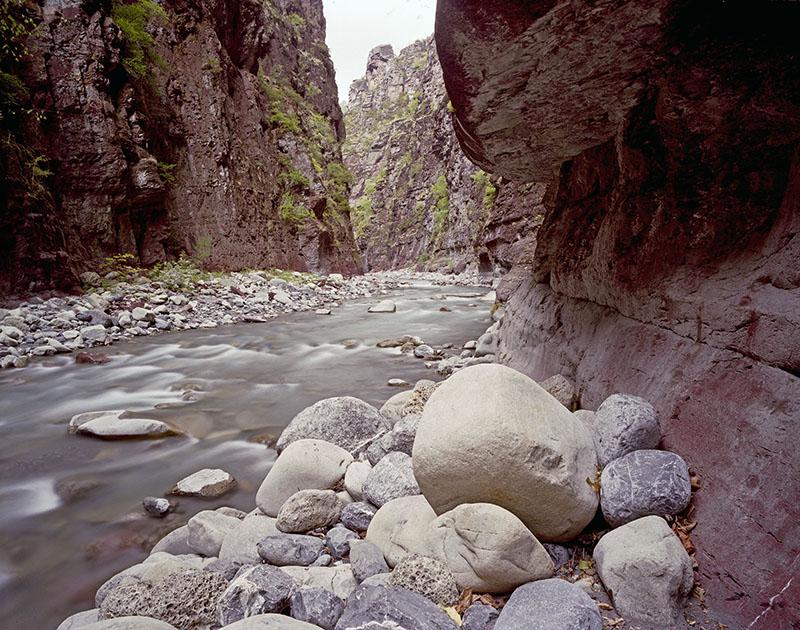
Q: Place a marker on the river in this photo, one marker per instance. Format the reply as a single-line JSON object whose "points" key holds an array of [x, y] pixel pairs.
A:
{"points": [[70, 506]]}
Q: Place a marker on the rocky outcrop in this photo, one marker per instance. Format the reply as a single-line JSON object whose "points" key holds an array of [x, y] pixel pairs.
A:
{"points": [[665, 268], [199, 126], [416, 199]]}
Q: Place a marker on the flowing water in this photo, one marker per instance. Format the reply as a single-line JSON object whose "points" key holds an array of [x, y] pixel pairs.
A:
{"points": [[70, 506]]}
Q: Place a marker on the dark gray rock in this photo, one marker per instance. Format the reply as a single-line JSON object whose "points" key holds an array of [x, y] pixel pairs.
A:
{"points": [[318, 606], [428, 577], [156, 506], [391, 478], [338, 541], [186, 599], [357, 516], [259, 589], [551, 604], [226, 568], [345, 421], [375, 605], [559, 554], [644, 483], [480, 617], [366, 560], [284, 550], [325, 560], [623, 424]]}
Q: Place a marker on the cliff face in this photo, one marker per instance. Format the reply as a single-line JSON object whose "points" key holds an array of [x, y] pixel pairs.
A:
{"points": [[195, 126], [416, 198], [666, 265]]}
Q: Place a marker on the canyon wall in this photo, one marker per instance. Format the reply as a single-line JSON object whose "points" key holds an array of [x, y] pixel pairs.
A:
{"points": [[196, 126], [668, 133], [417, 200]]}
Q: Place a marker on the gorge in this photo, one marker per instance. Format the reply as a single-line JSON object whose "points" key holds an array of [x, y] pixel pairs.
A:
{"points": [[580, 219]]}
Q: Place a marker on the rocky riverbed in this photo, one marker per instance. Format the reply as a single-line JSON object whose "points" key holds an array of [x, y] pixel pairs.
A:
{"points": [[42, 326], [472, 502]]}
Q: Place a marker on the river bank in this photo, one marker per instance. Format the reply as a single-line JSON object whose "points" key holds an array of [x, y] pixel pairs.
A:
{"points": [[111, 310]]}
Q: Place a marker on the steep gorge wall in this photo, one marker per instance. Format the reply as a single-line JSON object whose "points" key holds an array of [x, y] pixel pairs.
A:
{"points": [[666, 266], [416, 199], [200, 126]]}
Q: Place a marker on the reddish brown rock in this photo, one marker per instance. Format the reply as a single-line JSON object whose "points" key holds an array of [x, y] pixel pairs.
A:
{"points": [[227, 149], [666, 265]]}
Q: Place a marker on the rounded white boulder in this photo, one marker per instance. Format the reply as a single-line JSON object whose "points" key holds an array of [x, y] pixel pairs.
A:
{"points": [[490, 434]]}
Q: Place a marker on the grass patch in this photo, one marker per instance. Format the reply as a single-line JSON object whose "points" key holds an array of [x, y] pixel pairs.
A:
{"points": [[139, 47]]}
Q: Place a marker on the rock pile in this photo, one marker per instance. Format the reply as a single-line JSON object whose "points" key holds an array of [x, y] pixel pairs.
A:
{"points": [[490, 471]]}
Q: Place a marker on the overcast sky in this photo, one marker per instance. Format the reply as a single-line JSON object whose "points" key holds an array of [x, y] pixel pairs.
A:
{"points": [[356, 26]]}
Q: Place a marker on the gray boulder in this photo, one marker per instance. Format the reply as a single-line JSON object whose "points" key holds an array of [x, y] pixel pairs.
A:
{"points": [[271, 622], [354, 478], [175, 543], [488, 549], [384, 306], [209, 482], [290, 550], [129, 623], [648, 572], [241, 543], [391, 478], [309, 509], [304, 465], [551, 604], [426, 576], [490, 434], [185, 599], [644, 483], [563, 390], [401, 527], [357, 516], [338, 541], [381, 607], [207, 530], [623, 424], [366, 560], [259, 589], [338, 579], [345, 421], [392, 409], [80, 620], [317, 606], [480, 617]]}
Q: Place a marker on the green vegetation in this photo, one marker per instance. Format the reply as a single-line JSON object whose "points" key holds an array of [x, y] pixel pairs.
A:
{"points": [[139, 54], [166, 172], [420, 62], [441, 196], [296, 20], [450, 107], [294, 180], [413, 104], [213, 64], [481, 179], [291, 211]]}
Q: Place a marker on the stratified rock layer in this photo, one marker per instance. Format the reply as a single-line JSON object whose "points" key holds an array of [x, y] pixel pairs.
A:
{"points": [[666, 265], [416, 198]]}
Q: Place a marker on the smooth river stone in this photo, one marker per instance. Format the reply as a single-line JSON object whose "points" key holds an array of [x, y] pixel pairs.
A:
{"points": [[111, 425], [209, 482]]}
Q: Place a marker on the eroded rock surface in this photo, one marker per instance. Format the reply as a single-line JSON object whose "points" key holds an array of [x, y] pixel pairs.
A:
{"points": [[665, 265]]}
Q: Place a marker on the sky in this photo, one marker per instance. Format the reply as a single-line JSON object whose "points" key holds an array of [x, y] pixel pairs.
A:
{"points": [[356, 26]]}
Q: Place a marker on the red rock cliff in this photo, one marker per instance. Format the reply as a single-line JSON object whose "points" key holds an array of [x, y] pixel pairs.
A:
{"points": [[221, 139], [668, 134]]}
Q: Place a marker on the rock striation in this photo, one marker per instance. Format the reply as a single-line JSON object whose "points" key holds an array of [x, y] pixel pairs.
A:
{"points": [[416, 199], [664, 267], [205, 127]]}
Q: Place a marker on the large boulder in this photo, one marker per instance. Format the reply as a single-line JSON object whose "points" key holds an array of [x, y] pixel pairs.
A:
{"points": [[382, 607], [490, 434], [644, 483], [366, 560], [338, 579], [648, 572], [345, 421], [488, 549], [129, 623], [623, 424], [357, 516], [185, 599], [290, 549], [304, 465], [355, 477], [309, 509], [317, 606], [552, 604], [270, 621], [208, 529], [391, 478], [400, 528]]}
